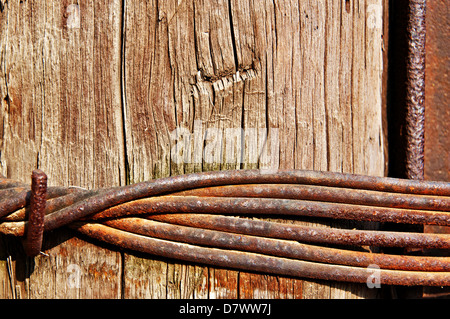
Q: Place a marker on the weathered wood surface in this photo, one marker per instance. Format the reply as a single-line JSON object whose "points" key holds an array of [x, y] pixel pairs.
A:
{"points": [[98, 93]]}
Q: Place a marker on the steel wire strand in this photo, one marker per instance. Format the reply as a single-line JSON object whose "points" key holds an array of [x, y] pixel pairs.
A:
{"points": [[268, 229], [13, 199], [303, 233], [276, 247], [281, 191], [158, 196], [257, 262], [118, 195], [271, 206], [325, 194], [76, 200], [123, 194]]}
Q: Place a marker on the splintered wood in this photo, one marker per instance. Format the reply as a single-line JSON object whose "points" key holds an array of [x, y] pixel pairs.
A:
{"points": [[98, 94]]}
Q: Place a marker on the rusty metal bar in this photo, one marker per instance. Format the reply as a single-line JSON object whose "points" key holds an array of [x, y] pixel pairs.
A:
{"points": [[322, 193], [304, 192], [16, 198], [270, 206], [415, 90], [118, 195], [311, 234], [258, 262], [325, 194], [328, 195], [272, 229], [33, 242], [9, 183], [437, 116], [275, 247], [53, 205]]}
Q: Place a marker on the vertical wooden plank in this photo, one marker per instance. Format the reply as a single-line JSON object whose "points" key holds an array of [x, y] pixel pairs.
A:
{"points": [[60, 88], [318, 85], [269, 105], [312, 126], [148, 88], [21, 94], [156, 97], [367, 87], [19, 122], [338, 57]]}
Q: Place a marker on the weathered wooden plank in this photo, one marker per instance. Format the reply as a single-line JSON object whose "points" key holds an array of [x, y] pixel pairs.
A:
{"points": [[102, 94], [61, 109], [232, 65], [149, 118]]}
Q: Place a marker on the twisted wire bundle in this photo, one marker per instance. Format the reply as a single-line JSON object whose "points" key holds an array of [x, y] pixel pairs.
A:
{"points": [[193, 218]]}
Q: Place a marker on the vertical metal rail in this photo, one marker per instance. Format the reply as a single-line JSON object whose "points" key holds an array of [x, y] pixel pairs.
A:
{"points": [[415, 93]]}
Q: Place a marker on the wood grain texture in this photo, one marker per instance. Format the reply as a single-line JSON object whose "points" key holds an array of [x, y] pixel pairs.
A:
{"points": [[60, 88], [109, 93]]}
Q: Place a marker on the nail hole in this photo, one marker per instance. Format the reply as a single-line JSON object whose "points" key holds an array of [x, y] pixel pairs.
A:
{"points": [[347, 6], [6, 101]]}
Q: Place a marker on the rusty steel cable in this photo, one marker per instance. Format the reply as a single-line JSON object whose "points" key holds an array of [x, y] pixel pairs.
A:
{"points": [[281, 248], [258, 262], [309, 234], [188, 212], [273, 206], [325, 194]]}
